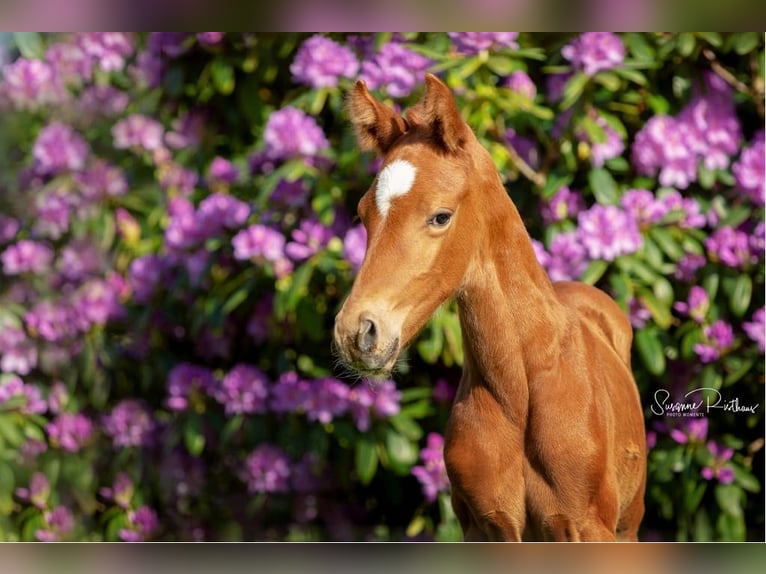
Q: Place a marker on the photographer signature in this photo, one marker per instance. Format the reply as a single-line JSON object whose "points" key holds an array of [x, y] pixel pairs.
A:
{"points": [[712, 400]]}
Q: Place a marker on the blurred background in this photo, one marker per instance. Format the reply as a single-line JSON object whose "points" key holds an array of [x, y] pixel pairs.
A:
{"points": [[178, 230]]}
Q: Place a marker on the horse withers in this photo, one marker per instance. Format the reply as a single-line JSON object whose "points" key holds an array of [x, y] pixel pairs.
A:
{"points": [[545, 439]]}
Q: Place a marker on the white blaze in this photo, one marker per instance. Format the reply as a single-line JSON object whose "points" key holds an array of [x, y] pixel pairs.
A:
{"points": [[394, 180]]}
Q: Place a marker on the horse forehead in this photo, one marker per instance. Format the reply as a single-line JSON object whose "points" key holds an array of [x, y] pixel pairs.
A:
{"points": [[394, 180]]}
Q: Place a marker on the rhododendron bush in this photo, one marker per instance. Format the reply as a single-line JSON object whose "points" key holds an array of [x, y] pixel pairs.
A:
{"points": [[178, 230]]}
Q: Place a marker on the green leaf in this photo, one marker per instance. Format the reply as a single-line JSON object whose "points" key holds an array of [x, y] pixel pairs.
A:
{"points": [[594, 271], [603, 186], [663, 237], [416, 526], [746, 480], [193, 437], [402, 452], [406, 426], [686, 44], [650, 350], [712, 38], [501, 65], [639, 47], [739, 299], [609, 80], [746, 42], [365, 459], [223, 76], [29, 44], [573, 90], [729, 497]]}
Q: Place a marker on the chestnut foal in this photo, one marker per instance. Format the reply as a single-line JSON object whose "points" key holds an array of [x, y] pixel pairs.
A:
{"points": [[546, 439]]}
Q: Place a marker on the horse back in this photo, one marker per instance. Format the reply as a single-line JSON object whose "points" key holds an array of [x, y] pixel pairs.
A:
{"points": [[599, 310]]}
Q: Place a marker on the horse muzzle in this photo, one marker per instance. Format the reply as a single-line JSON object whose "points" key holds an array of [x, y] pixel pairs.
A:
{"points": [[366, 344]]}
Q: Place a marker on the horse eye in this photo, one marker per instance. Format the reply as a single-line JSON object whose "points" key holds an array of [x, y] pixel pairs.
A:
{"points": [[440, 219]]}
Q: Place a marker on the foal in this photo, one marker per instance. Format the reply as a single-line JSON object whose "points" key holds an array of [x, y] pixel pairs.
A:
{"points": [[545, 440]]}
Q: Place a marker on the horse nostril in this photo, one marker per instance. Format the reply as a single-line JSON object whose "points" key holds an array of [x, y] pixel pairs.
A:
{"points": [[368, 335]]}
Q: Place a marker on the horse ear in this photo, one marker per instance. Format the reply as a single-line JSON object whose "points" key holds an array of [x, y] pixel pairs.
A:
{"points": [[377, 126], [438, 110]]}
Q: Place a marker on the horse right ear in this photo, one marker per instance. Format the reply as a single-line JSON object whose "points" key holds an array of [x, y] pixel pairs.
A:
{"points": [[377, 126]]}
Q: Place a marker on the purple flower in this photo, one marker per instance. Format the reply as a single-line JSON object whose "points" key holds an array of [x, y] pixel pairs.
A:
{"points": [[718, 469], [101, 180], [396, 69], [520, 82], [8, 228], [756, 329], [565, 204], [691, 430], [59, 148], [663, 145], [70, 431], [643, 206], [525, 147], [749, 170], [143, 523], [52, 320], [290, 193], [26, 256], [567, 258], [432, 474], [290, 133], [718, 338], [210, 38], [688, 266], [121, 492], [18, 354], [729, 246], [38, 492], [443, 392], [98, 301], [685, 209], [290, 393], [244, 389], [138, 131], [697, 305], [105, 101], [601, 151], [129, 424], [259, 241], [109, 49], [15, 387], [380, 400], [328, 398], [223, 171], [320, 61], [555, 84], [474, 42], [59, 522], [308, 239], [711, 120], [54, 211], [145, 275], [758, 241], [187, 384], [70, 63], [638, 314], [31, 84], [171, 44], [267, 469], [355, 246], [607, 232], [594, 52], [258, 327], [221, 211]]}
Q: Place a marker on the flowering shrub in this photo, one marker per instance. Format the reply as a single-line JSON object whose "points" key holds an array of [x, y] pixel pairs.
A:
{"points": [[177, 232]]}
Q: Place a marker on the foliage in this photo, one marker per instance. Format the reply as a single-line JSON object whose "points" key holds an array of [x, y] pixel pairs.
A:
{"points": [[177, 233]]}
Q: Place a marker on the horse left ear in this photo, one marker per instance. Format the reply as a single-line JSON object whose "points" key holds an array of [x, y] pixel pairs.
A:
{"points": [[439, 111]]}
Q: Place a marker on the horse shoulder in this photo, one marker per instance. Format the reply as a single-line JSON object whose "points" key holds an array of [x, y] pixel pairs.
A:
{"points": [[599, 311]]}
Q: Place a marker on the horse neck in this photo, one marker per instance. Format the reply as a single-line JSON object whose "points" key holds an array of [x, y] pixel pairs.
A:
{"points": [[510, 315]]}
